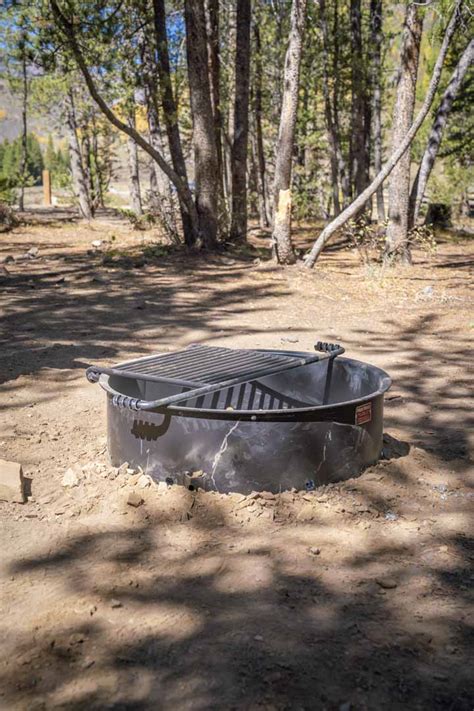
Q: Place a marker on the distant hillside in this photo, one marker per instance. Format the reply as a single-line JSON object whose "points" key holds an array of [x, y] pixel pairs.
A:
{"points": [[10, 116]]}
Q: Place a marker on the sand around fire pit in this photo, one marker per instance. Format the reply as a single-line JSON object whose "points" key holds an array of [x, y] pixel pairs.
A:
{"points": [[118, 592]]}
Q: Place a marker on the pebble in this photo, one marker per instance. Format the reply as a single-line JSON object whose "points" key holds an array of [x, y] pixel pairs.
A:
{"points": [[115, 603], [267, 495], [306, 513], [134, 499], [314, 551], [143, 481], [387, 583], [70, 478]]}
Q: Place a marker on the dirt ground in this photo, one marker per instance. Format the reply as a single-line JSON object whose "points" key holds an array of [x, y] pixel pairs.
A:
{"points": [[355, 596]]}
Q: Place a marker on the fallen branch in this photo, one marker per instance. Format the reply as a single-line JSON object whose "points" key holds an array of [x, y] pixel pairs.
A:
{"points": [[352, 210]]}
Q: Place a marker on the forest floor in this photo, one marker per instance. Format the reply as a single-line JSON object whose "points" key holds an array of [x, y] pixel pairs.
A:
{"points": [[355, 596]]}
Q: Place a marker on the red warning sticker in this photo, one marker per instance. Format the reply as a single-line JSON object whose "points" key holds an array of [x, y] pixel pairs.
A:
{"points": [[363, 413]]}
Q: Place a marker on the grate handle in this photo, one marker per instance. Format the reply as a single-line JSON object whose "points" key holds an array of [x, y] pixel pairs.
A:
{"points": [[332, 349]]}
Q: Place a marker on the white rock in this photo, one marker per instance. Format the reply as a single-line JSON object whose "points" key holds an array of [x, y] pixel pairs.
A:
{"points": [[97, 243], [143, 481], [70, 478]]}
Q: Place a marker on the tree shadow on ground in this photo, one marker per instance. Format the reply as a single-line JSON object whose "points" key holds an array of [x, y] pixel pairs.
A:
{"points": [[430, 401], [64, 310], [205, 614]]}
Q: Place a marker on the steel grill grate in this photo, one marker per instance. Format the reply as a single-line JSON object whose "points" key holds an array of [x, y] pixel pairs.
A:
{"points": [[204, 365], [202, 371]]}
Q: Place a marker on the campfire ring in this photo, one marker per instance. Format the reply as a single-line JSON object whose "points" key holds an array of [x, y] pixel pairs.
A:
{"points": [[275, 420]]}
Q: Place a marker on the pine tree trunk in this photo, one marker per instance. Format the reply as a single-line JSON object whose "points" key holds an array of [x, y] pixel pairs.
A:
{"points": [[24, 127], [79, 176], [134, 171], [282, 244], [86, 159], [258, 133], [328, 110], [342, 168], [436, 133], [359, 105], [161, 195], [212, 35], [399, 188], [238, 227], [170, 112], [205, 154], [376, 47]]}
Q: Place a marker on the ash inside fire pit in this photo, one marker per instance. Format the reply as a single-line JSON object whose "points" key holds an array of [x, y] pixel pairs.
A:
{"points": [[245, 419]]}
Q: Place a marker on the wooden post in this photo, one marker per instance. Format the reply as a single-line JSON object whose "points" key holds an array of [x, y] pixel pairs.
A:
{"points": [[46, 188]]}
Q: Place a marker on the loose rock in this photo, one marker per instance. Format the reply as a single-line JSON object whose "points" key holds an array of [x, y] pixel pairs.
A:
{"points": [[134, 499], [387, 583], [143, 481], [306, 513], [70, 478], [11, 482]]}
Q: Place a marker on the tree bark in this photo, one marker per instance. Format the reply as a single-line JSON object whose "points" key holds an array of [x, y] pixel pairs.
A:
{"points": [[359, 105], [282, 245], [397, 246], [79, 176], [259, 149], [238, 227], [134, 170], [170, 113], [356, 205], [436, 133], [212, 35], [205, 154], [24, 124], [376, 79], [328, 110], [343, 169]]}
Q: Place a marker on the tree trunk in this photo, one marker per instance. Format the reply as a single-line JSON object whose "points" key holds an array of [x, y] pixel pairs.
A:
{"points": [[399, 188], [205, 154], [161, 200], [328, 110], [134, 170], [79, 176], [24, 125], [342, 167], [376, 48], [360, 201], [212, 35], [258, 132], [238, 227], [359, 104], [282, 245], [436, 133], [170, 112]]}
